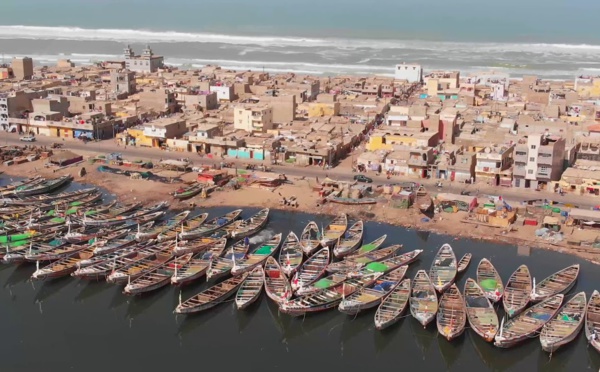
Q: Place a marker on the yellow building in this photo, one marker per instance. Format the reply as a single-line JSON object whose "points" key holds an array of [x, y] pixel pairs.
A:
{"points": [[385, 140], [320, 109], [588, 88]]}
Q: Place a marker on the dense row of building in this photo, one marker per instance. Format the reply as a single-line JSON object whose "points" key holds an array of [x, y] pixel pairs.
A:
{"points": [[484, 127]]}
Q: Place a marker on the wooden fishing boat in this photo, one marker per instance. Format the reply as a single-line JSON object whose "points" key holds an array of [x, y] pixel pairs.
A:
{"points": [[423, 299], [311, 270], [356, 262], [258, 256], [464, 262], [489, 280], [277, 285], [452, 315], [62, 267], [592, 320], [188, 224], [480, 311], [111, 212], [310, 239], [350, 240], [367, 248], [76, 237], [443, 269], [104, 268], [250, 289], [8, 189], [393, 306], [197, 266], [423, 201], [565, 327], [128, 247], [351, 201], [212, 296], [559, 282], [517, 292], [221, 266], [529, 323], [290, 255], [52, 253], [171, 224], [45, 202], [104, 246], [335, 230], [157, 278], [371, 295], [43, 188], [200, 245], [387, 265], [252, 225], [188, 192], [145, 215], [327, 282], [211, 226], [136, 269], [326, 299]]}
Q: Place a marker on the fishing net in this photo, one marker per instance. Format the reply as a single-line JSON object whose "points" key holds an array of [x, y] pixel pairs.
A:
{"points": [[323, 283], [488, 284], [263, 251], [367, 247], [376, 267]]}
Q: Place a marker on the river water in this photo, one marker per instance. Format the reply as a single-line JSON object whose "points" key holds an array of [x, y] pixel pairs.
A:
{"points": [[68, 324]]}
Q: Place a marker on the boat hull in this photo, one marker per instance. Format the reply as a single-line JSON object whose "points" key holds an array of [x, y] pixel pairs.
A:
{"points": [[137, 290], [190, 278]]}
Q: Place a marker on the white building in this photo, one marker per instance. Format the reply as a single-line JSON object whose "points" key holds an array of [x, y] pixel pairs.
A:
{"points": [[146, 63], [253, 118], [410, 72]]}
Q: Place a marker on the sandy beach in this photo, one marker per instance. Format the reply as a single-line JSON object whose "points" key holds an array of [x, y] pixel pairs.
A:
{"points": [[127, 189]]}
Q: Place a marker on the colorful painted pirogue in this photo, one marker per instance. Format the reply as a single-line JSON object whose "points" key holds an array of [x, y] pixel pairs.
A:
{"points": [[423, 299], [480, 311], [290, 255], [452, 314], [566, 325], [559, 282], [372, 294], [517, 292], [158, 277], [252, 225], [489, 280], [310, 239], [443, 269], [199, 263], [212, 296], [592, 321], [211, 226], [393, 306], [334, 230], [250, 289], [258, 256], [528, 323], [350, 241], [357, 262]]}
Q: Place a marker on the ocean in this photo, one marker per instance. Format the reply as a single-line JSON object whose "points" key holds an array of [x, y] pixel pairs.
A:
{"points": [[554, 39]]}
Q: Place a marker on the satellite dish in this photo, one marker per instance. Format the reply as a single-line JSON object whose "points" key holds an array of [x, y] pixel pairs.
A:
{"points": [[487, 150]]}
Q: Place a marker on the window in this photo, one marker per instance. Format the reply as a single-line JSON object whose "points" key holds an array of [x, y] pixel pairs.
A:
{"points": [[532, 159], [530, 171], [533, 147]]}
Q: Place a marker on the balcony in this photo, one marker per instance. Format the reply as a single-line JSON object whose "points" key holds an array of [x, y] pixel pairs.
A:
{"points": [[520, 158], [546, 160], [487, 170], [543, 173]]}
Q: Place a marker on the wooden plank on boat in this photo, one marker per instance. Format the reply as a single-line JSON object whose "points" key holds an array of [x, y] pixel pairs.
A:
{"points": [[423, 299], [393, 306], [452, 314], [443, 268], [566, 325], [212, 296], [559, 282], [489, 280], [250, 289], [517, 292], [480, 311]]}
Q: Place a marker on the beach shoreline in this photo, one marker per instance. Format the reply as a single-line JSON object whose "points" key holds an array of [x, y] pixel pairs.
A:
{"points": [[126, 189]]}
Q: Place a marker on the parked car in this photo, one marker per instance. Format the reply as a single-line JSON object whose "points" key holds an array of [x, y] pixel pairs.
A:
{"points": [[27, 138], [363, 178]]}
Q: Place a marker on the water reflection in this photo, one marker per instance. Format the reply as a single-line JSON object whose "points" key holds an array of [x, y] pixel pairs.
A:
{"points": [[244, 317], [423, 337], [450, 350], [21, 274], [90, 289], [50, 288]]}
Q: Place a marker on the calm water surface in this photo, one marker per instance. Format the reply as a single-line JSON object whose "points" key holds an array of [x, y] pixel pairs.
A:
{"points": [[68, 324]]}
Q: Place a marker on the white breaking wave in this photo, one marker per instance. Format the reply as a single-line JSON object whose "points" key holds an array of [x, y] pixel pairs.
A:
{"points": [[337, 44]]}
